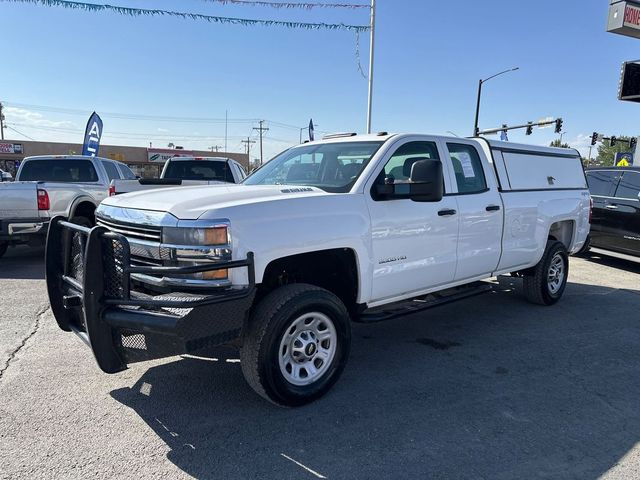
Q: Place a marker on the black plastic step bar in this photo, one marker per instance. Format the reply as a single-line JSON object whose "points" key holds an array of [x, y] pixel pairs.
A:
{"points": [[424, 302]]}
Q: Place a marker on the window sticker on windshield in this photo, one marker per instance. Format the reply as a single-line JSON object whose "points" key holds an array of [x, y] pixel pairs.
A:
{"points": [[467, 166]]}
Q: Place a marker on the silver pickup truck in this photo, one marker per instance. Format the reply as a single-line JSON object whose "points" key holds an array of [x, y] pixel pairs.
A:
{"points": [[185, 172], [48, 186]]}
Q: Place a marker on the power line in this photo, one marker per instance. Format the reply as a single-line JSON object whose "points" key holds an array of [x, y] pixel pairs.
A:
{"points": [[261, 130], [130, 116], [248, 142], [19, 133], [136, 12]]}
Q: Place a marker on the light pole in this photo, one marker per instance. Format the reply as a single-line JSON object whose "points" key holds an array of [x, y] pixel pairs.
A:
{"points": [[372, 26], [480, 83]]}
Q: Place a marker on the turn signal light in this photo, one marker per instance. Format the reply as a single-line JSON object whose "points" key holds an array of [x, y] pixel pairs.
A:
{"points": [[216, 236], [112, 190], [43, 200], [215, 274]]}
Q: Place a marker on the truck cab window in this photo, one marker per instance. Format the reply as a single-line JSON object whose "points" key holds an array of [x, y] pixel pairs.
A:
{"points": [[467, 167], [126, 172], [398, 168], [112, 171]]}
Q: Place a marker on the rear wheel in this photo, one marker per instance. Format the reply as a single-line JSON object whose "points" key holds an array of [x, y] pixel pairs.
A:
{"points": [[296, 344], [3, 248], [546, 282]]}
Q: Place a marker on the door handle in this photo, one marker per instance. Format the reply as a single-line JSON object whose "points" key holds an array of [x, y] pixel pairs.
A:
{"points": [[493, 208], [447, 213], [611, 207]]}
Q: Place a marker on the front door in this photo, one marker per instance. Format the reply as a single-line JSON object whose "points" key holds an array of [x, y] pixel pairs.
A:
{"points": [[624, 209], [414, 243]]}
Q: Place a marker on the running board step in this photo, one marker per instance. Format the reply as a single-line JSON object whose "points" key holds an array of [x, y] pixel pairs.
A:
{"points": [[418, 304]]}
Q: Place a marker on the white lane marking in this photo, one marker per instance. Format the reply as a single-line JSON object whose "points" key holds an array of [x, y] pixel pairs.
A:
{"points": [[313, 472]]}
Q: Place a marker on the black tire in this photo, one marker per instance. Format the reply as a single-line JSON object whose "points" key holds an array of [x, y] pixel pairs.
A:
{"points": [[537, 287], [3, 248], [584, 251], [84, 221], [273, 319], [77, 243]]}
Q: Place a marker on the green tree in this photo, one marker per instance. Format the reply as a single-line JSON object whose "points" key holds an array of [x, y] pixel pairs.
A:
{"points": [[607, 153], [558, 143]]}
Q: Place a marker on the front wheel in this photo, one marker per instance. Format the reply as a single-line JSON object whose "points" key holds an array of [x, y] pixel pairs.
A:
{"points": [[296, 344], [546, 282]]}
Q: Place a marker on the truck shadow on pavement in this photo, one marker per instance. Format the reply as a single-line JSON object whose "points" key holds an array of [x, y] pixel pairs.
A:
{"points": [[614, 262], [23, 263], [491, 387]]}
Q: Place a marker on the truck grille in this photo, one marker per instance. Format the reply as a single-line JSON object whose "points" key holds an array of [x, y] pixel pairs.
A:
{"points": [[147, 233]]}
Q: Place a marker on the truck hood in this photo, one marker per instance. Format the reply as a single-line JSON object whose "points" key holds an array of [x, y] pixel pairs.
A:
{"points": [[189, 203]]}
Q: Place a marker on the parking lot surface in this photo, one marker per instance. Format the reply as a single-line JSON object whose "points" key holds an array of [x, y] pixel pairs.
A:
{"points": [[491, 387]]}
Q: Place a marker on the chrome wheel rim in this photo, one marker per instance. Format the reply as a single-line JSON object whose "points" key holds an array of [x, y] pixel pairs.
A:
{"points": [[307, 348], [557, 272]]}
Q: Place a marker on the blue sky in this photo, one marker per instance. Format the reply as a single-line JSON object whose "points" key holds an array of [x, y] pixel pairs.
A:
{"points": [[429, 57]]}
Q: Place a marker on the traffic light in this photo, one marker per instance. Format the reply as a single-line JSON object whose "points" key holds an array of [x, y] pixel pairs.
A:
{"points": [[629, 89], [594, 138], [530, 128], [559, 125], [614, 140], [632, 143]]}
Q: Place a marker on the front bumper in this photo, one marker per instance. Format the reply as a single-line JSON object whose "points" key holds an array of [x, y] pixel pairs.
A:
{"points": [[89, 283]]}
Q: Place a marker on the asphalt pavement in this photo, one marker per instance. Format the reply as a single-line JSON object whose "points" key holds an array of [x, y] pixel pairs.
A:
{"points": [[487, 388]]}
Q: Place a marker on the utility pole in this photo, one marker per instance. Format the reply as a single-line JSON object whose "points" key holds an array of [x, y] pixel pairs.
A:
{"points": [[372, 26], [1, 122], [216, 148], [248, 141], [261, 129]]}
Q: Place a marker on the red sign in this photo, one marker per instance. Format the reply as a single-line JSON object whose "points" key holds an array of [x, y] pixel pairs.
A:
{"points": [[11, 148], [632, 16]]}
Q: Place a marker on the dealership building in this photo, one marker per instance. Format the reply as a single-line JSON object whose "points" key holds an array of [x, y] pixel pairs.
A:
{"points": [[145, 162]]}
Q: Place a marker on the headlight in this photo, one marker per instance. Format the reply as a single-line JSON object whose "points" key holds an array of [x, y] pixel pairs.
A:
{"points": [[211, 236]]}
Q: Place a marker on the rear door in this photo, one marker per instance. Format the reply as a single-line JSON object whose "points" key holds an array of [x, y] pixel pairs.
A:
{"points": [[480, 212], [602, 186], [624, 209]]}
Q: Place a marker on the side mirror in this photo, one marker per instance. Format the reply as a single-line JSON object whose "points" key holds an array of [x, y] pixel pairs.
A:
{"points": [[427, 181]]}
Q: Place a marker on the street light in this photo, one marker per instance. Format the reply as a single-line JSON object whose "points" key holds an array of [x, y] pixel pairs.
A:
{"points": [[475, 126]]}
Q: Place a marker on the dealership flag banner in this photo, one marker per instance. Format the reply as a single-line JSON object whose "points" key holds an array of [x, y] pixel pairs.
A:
{"points": [[311, 130], [92, 136]]}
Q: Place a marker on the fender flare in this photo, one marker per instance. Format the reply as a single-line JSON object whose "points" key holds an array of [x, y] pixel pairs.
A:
{"points": [[77, 201]]}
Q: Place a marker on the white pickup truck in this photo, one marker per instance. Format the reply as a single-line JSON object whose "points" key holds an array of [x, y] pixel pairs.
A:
{"points": [[186, 172], [49, 186], [360, 228]]}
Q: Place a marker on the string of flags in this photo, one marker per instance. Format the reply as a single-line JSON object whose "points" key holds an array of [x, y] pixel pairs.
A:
{"points": [[306, 6], [134, 12]]}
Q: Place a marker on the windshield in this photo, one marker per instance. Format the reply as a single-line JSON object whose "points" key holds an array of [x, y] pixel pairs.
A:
{"points": [[199, 170], [333, 167], [59, 170]]}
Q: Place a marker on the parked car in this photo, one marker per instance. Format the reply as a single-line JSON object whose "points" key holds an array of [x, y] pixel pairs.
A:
{"points": [[49, 186], [5, 176], [616, 209], [361, 228], [185, 171]]}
